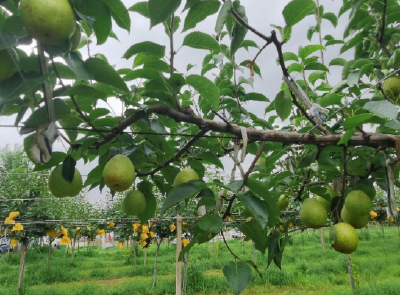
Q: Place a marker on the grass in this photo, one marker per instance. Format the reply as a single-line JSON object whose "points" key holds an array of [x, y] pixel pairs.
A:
{"points": [[305, 269]]}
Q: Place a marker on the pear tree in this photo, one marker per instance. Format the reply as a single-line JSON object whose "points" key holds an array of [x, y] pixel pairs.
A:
{"points": [[331, 122]]}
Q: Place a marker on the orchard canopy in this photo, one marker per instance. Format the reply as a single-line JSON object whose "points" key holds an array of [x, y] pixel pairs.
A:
{"points": [[312, 135]]}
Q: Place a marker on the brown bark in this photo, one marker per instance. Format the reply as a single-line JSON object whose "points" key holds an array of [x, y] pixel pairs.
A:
{"points": [[22, 264]]}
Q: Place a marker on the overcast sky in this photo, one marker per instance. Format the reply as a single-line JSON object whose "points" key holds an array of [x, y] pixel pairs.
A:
{"points": [[261, 14]]}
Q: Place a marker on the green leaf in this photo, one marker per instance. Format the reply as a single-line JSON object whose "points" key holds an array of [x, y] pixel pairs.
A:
{"points": [[356, 121], [77, 65], [141, 8], [238, 274], [98, 11], [331, 17], [161, 10], [297, 10], [330, 99], [199, 12], [119, 13], [16, 86], [211, 223], [258, 188], [256, 207], [239, 32], [151, 203], [178, 194], [346, 137], [383, 109], [394, 60], [84, 90], [211, 158], [304, 52], [222, 16], [316, 66], [148, 48], [205, 88], [255, 97], [68, 168], [283, 105], [148, 74], [39, 116], [201, 40], [95, 176], [338, 62], [274, 247], [254, 232], [287, 56], [103, 72]]}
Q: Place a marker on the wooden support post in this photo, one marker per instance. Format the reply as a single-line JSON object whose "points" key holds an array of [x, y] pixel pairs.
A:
{"points": [[22, 264], [178, 251]]}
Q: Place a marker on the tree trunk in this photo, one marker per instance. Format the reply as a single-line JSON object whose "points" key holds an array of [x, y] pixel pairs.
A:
{"points": [[49, 256], [66, 253], [349, 269], [134, 252], [145, 257], [322, 237], [22, 264], [185, 273], [73, 251], [155, 263]]}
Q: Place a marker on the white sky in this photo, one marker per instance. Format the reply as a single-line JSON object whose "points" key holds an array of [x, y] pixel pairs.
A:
{"points": [[261, 14]]}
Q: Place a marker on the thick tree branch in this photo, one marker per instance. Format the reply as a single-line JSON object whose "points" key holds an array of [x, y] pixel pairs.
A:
{"points": [[178, 154], [372, 139]]}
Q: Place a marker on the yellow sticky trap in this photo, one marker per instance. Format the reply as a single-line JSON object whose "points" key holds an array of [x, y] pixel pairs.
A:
{"points": [[120, 244], [172, 227], [17, 226], [185, 242], [101, 232], [65, 241]]}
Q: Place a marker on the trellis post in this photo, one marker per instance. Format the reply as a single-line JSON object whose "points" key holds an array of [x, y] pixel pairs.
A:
{"points": [[178, 251]]}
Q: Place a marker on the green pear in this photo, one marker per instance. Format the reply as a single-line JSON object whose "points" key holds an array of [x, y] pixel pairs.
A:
{"points": [[134, 203], [283, 202], [313, 213], [357, 203], [391, 87], [7, 65], [48, 21], [119, 173], [344, 238], [186, 175], [60, 187]]}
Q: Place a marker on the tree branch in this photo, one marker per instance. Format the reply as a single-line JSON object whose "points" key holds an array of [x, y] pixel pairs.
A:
{"points": [[372, 139], [172, 57], [178, 154]]}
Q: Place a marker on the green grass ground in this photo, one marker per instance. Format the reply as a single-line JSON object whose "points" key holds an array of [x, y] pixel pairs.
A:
{"points": [[305, 269]]}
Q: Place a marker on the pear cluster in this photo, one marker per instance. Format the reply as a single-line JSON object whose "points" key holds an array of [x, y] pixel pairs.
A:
{"points": [[356, 209]]}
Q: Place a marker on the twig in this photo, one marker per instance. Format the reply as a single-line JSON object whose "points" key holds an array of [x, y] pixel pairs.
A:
{"points": [[84, 117], [172, 56], [320, 36], [379, 36], [307, 179], [259, 52], [227, 246], [178, 154]]}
